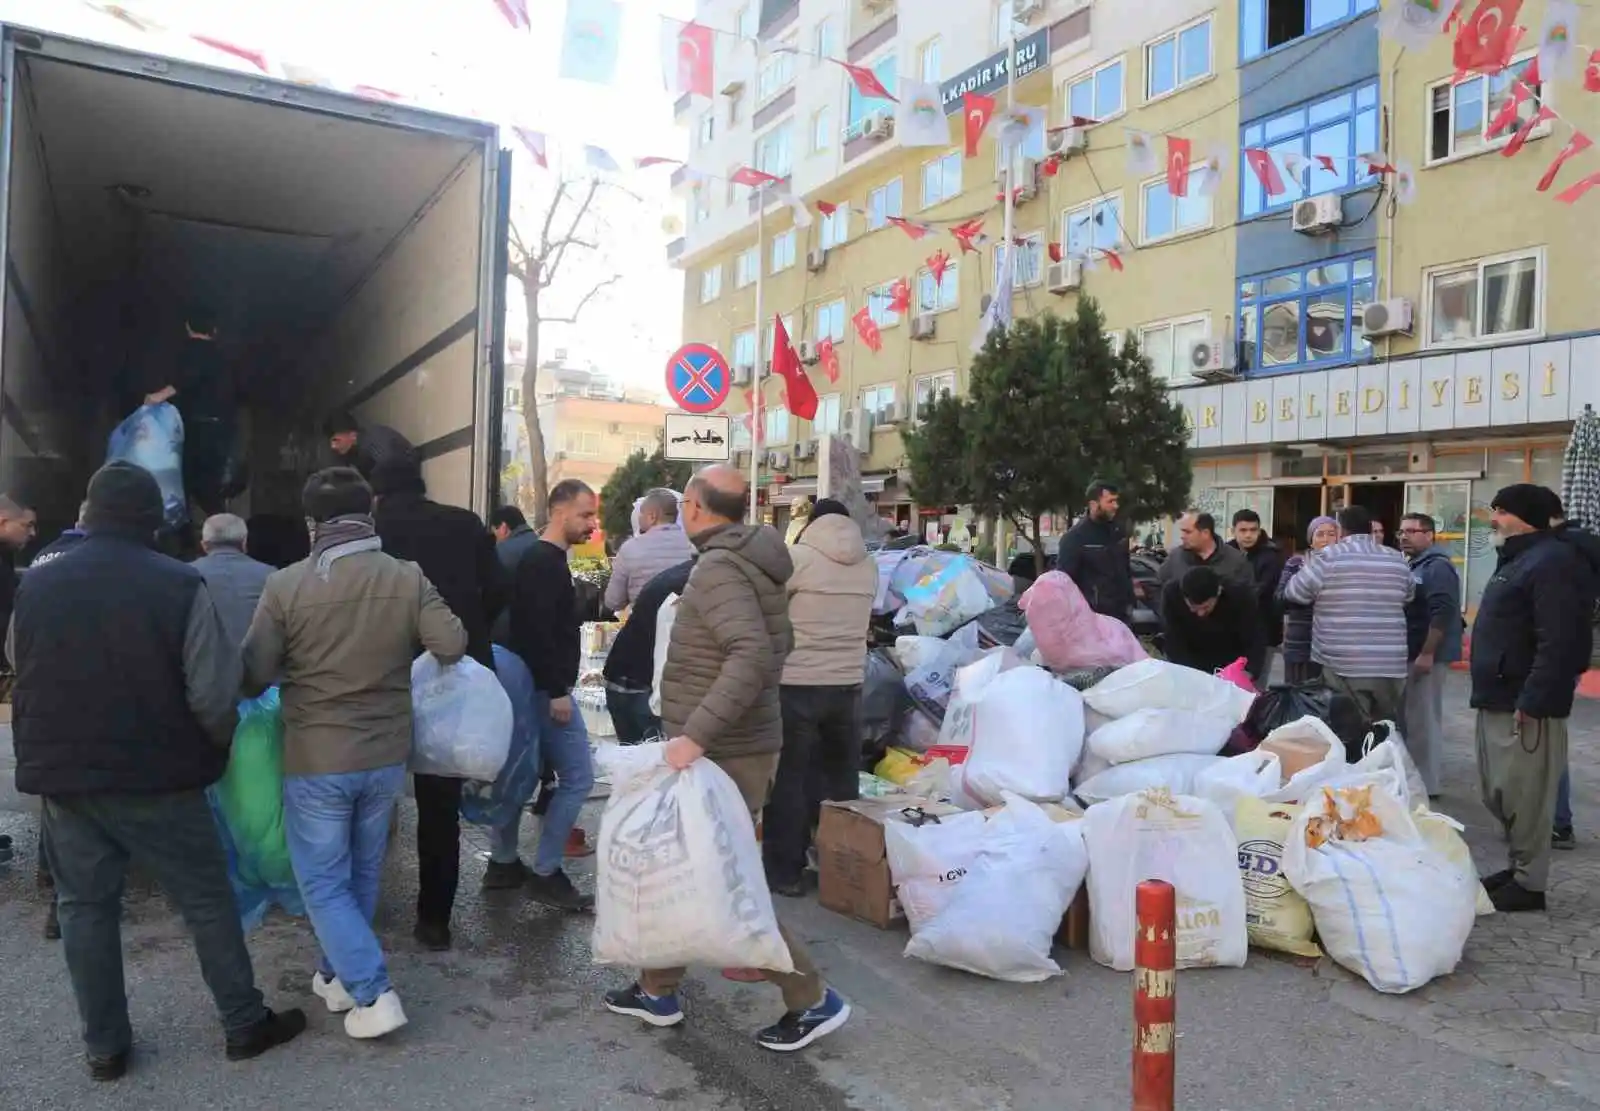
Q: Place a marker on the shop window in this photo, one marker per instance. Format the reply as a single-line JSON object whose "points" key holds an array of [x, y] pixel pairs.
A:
{"points": [[1491, 299], [1268, 24], [1459, 114], [1338, 127], [1305, 316]]}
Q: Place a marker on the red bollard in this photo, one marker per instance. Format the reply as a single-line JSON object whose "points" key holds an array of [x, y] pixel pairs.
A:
{"points": [[1155, 996]]}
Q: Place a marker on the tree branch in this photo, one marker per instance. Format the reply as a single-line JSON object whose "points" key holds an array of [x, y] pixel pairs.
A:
{"points": [[555, 252], [582, 301], [517, 270]]}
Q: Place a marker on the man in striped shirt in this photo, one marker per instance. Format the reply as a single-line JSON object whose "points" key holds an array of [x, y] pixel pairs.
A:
{"points": [[1359, 589]]}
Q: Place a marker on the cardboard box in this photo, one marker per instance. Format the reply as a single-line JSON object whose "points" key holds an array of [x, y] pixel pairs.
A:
{"points": [[853, 863], [1295, 754]]}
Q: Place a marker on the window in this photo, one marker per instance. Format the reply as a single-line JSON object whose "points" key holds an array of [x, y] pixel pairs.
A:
{"points": [[1491, 299], [1030, 260], [822, 43], [1096, 225], [777, 74], [826, 422], [640, 441], [941, 179], [766, 335], [930, 60], [862, 107], [928, 388], [878, 400], [711, 283], [746, 265], [700, 205], [1339, 126], [1166, 344], [514, 398], [783, 251], [821, 130], [882, 203], [708, 128], [776, 420], [878, 301], [1307, 315], [1097, 95], [938, 296], [1000, 26], [774, 152], [1031, 147], [730, 186], [748, 23], [835, 227], [1178, 59], [1162, 216], [744, 348], [827, 321], [1459, 115], [581, 443], [1267, 24]]}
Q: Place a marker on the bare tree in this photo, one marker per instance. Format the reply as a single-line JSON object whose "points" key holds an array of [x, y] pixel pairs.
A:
{"points": [[571, 221]]}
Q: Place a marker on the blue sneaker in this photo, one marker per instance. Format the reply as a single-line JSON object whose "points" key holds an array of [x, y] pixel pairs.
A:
{"points": [[798, 1029], [633, 1000]]}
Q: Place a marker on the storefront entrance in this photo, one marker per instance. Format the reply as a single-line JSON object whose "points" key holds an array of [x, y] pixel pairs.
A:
{"points": [[1384, 501], [1293, 510]]}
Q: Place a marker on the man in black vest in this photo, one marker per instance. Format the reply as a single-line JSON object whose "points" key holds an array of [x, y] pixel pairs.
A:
{"points": [[123, 712]]}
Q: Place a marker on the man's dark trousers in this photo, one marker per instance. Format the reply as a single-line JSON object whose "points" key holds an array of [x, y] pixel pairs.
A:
{"points": [[90, 841], [821, 761], [438, 846]]}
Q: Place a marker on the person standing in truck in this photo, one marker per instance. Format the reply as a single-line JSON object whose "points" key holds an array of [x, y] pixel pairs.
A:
{"points": [[202, 387], [367, 448]]}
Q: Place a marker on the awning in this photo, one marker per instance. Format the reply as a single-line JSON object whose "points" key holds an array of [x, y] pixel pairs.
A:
{"points": [[807, 487]]}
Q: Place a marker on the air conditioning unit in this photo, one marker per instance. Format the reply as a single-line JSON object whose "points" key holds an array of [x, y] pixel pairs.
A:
{"points": [[922, 326], [816, 259], [1317, 215], [1028, 185], [808, 353], [1064, 276], [805, 449], [1022, 9], [1068, 140], [880, 125], [1386, 318], [741, 374], [777, 460], [858, 429], [1213, 360]]}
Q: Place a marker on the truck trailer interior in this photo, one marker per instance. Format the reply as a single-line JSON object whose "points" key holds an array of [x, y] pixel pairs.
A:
{"points": [[346, 252]]}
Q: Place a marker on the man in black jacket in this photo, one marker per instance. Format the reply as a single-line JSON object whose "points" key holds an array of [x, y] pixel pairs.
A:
{"points": [[1209, 622], [1094, 554], [1266, 567], [367, 448], [456, 553], [124, 710], [630, 665], [1530, 644]]}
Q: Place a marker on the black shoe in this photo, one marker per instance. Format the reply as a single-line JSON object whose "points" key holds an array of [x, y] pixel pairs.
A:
{"points": [[505, 877], [1496, 880], [798, 1029], [103, 1070], [1512, 898], [789, 889], [6, 851], [274, 1030], [432, 936], [1563, 838], [52, 923], [556, 890]]}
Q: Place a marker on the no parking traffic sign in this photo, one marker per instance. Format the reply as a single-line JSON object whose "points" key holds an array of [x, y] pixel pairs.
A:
{"points": [[697, 378]]}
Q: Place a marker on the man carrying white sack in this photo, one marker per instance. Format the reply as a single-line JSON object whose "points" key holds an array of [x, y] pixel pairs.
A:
{"points": [[719, 700]]}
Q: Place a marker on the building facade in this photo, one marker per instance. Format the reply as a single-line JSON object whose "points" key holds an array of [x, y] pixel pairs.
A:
{"points": [[591, 422], [1377, 347]]}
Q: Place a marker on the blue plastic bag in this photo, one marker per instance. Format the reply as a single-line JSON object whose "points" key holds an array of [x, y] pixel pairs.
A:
{"points": [[152, 438], [495, 804]]}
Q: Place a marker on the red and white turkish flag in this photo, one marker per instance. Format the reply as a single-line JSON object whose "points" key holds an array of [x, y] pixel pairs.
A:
{"points": [[976, 112], [748, 175], [1576, 145], [867, 329], [1266, 171], [1481, 39], [516, 13], [1179, 152], [696, 53], [866, 82]]}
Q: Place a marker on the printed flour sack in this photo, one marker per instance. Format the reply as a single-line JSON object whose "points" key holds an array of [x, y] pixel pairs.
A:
{"points": [[1177, 838], [1159, 685], [1275, 915], [1024, 728], [678, 878]]}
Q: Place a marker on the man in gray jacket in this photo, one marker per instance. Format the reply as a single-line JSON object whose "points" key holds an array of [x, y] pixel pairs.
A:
{"points": [[660, 544], [1198, 546], [234, 579]]}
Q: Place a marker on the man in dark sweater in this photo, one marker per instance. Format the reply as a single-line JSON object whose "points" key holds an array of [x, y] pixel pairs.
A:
{"points": [[544, 632], [630, 665], [1210, 622], [456, 553], [367, 448], [1266, 567]]}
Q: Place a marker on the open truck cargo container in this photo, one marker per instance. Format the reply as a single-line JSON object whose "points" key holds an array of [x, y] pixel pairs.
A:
{"points": [[352, 254]]}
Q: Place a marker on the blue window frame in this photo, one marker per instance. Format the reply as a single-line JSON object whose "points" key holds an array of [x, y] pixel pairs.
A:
{"points": [[1306, 316], [1340, 126], [863, 106], [1268, 24]]}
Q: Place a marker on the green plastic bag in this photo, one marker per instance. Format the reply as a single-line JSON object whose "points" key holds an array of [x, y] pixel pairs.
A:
{"points": [[250, 795]]}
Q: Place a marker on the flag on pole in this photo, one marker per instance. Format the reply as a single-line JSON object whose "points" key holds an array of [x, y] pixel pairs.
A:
{"points": [[696, 59], [589, 41], [919, 121], [800, 394], [998, 314], [976, 112]]}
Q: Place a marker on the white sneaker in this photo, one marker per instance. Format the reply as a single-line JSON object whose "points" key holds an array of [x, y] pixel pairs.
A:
{"points": [[332, 993], [385, 1016]]}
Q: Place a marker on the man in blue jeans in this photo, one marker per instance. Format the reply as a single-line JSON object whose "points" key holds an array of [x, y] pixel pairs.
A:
{"points": [[544, 632], [337, 631]]}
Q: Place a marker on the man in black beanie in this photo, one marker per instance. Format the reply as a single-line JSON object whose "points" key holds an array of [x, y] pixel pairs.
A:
{"points": [[123, 712], [1209, 621], [1530, 643]]}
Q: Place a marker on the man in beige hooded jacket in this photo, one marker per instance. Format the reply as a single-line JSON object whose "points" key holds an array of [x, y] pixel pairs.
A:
{"points": [[830, 604]]}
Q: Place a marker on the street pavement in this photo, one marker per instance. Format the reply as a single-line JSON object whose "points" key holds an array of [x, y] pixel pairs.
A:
{"points": [[511, 1018]]}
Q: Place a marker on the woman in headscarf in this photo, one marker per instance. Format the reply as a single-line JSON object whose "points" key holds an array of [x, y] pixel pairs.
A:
{"points": [[1298, 666]]}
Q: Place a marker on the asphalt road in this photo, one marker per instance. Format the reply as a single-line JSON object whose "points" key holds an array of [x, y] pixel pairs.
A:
{"points": [[511, 1019]]}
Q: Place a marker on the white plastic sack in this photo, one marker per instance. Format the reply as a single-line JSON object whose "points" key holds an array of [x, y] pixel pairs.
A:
{"points": [[1303, 784], [1024, 728], [1146, 733], [1001, 920], [1391, 757], [1444, 834], [1182, 840], [665, 616], [913, 652], [1252, 775], [1173, 773], [927, 861], [1089, 765], [1159, 685], [460, 719], [1392, 908], [678, 878], [932, 680]]}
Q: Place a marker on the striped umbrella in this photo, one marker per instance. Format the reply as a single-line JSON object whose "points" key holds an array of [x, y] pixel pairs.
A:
{"points": [[1580, 471]]}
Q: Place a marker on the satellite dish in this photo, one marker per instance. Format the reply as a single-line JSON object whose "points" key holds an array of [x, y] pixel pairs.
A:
{"points": [[671, 225]]}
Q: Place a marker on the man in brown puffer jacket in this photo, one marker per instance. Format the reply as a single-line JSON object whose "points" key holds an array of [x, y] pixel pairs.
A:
{"points": [[719, 700]]}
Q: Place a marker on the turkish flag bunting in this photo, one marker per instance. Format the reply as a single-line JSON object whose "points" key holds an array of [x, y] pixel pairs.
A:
{"points": [[966, 233], [1591, 73], [1572, 192], [1266, 171], [1055, 252], [1576, 145], [800, 394], [827, 208], [1178, 154], [1455, 15], [914, 230], [372, 92], [1525, 132], [900, 296], [653, 160], [938, 263], [976, 110], [1507, 116], [746, 175], [866, 82], [867, 329], [828, 355], [516, 13], [1326, 162], [696, 50], [244, 53], [534, 141], [1377, 167], [1113, 258], [1052, 165], [1481, 39]]}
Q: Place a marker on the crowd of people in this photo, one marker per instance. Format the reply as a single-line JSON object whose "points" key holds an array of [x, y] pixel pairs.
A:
{"points": [[131, 667]]}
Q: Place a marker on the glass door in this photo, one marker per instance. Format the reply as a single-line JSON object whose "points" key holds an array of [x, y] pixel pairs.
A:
{"points": [[1450, 505], [1258, 498]]}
